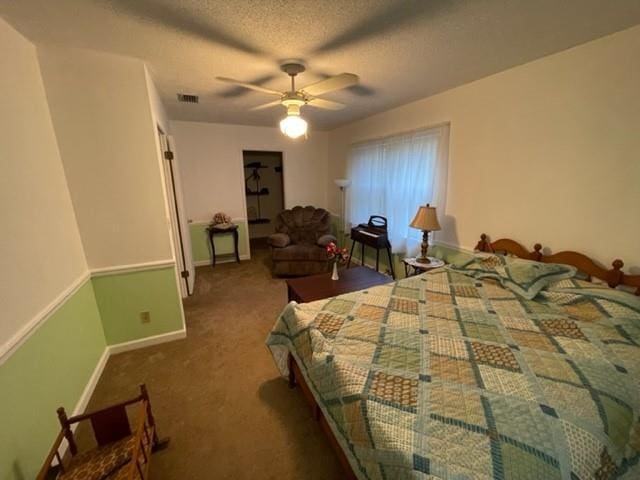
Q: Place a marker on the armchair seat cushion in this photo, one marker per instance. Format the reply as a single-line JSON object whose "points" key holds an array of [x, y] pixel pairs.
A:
{"points": [[300, 252]]}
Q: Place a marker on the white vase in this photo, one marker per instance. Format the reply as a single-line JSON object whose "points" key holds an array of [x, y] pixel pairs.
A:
{"points": [[334, 275]]}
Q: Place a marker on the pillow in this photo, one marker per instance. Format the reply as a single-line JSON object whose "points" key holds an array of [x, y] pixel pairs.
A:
{"points": [[279, 240], [523, 277], [597, 290]]}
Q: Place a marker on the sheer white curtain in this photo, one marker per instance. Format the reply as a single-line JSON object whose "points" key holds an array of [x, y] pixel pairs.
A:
{"points": [[393, 176]]}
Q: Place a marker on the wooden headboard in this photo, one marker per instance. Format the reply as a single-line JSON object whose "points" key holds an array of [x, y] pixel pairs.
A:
{"points": [[614, 276]]}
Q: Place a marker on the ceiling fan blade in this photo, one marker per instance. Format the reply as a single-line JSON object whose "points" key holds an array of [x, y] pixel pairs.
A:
{"points": [[238, 91], [250, 86], [327, 104], [183, 20], [337, 82], [266, 105], [390, 19]]}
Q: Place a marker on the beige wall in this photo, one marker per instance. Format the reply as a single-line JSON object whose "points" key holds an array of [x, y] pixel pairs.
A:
{"points": [[39, 238], [545, 152], [102, 116], [210, 159]]}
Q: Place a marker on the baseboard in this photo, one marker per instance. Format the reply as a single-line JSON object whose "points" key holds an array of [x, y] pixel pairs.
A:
{"points": [[147, 341], [231, 259], [91, 385], [83, 401], [109, 350]]}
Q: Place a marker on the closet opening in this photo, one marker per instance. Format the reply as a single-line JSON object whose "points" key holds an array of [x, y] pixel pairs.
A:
{"points": [[264, 190]]}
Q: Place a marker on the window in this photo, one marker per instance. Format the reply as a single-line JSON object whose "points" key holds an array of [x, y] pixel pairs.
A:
{"points": [[393, 176]]}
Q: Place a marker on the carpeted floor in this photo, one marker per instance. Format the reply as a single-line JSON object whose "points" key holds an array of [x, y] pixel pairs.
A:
{"points": [[217, 394]]}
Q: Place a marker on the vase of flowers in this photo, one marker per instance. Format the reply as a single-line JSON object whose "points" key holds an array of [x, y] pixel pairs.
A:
{"points": [[336, 255]]}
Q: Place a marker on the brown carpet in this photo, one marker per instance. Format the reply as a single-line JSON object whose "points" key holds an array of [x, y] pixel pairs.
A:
{"points": [[217, 393]]}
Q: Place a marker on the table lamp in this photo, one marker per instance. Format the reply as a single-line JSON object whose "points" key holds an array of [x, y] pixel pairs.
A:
{"points": [[426, 220]]}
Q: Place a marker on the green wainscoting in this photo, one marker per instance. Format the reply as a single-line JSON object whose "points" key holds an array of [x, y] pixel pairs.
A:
{"points": [[123, 296], [224, 243], [51, 369]]}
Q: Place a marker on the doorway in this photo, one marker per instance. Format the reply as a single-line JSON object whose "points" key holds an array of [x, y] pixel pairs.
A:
{"points": [[264, 191]]}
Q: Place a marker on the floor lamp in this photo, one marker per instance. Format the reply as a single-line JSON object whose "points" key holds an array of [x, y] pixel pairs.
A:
{"points": [[342, 184]]}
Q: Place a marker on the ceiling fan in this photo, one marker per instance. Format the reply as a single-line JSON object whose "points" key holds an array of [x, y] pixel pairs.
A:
{"points": [[293, 125]]}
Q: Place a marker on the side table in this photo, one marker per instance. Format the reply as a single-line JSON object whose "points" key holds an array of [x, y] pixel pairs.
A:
{"points": [[213, 231], [411, 262]]}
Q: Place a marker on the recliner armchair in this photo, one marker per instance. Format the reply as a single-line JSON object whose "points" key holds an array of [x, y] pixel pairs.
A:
{"points": [[298, 246]]}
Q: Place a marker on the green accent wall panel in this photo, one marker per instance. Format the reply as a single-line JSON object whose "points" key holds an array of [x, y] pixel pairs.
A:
{"points": [[122, 297], [51, 369], [450, 255], [224, 243]]}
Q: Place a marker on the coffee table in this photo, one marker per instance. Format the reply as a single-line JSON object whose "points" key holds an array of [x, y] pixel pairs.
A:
{"points": [[316, 287]]}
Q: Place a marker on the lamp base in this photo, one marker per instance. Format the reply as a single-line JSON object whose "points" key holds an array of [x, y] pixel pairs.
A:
{"points": [[423, 248]]}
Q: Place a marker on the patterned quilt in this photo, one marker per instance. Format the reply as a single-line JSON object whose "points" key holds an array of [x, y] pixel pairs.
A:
{"points": [[444, 376]]}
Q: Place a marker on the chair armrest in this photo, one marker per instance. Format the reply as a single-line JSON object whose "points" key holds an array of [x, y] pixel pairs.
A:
{"points": [[279, 240], [325, 240]]}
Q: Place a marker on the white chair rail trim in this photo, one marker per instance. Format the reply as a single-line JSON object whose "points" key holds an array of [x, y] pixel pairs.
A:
{"points": [[22, 335]]}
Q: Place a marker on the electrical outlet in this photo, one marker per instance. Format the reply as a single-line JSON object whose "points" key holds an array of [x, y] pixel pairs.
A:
{"points": [[145, 317]]}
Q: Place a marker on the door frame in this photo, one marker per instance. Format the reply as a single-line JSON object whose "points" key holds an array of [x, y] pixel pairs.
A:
{"points": [[177, 222]]}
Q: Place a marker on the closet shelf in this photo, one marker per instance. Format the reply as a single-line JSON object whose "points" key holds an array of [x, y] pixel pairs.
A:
{"points": [[263, 191]]}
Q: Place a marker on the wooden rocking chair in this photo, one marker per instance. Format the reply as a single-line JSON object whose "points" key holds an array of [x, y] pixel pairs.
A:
{"points": [[123, 450]]}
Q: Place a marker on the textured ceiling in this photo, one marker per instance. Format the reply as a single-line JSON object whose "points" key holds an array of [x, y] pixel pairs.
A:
{"points": [[402, 50]]}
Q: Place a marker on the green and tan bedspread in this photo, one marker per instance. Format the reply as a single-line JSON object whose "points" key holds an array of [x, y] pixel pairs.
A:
{"points": [[445, 376]]}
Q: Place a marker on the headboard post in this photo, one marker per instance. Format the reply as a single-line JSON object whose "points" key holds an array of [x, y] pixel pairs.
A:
{"points": [[614, 277], [537, 253], [483, 245]]}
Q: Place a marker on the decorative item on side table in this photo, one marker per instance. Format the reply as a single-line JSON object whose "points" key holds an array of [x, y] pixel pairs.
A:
{"points": [[221, 220], [336, 254], [426, 219]]}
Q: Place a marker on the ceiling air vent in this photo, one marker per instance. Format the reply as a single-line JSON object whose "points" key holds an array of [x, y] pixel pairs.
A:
{"points": [[187, 98]]}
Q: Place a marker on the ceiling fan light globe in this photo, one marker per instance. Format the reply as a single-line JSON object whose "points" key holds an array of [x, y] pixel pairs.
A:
{"points": [[293, 126]]}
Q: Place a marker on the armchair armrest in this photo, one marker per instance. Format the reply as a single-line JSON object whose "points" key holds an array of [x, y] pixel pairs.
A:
{"points": [[279, 240], [324, 240]]}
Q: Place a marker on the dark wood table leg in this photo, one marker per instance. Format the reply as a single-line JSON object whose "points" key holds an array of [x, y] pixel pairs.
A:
{"points": [[362, 254], [353, 245], [213, 250], [393, 275], [292, 375], [377, 259], [235, 244]]}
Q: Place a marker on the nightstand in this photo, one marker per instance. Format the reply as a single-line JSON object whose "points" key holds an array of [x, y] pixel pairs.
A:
{"points": [[410, 262]]}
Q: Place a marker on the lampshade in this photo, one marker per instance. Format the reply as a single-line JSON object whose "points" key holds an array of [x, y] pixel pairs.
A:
{"points": [[293, 126], [342, 182], [426, 219]]}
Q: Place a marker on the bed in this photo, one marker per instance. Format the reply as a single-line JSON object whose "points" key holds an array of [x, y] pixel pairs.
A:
{"points": [[454, 374]]}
